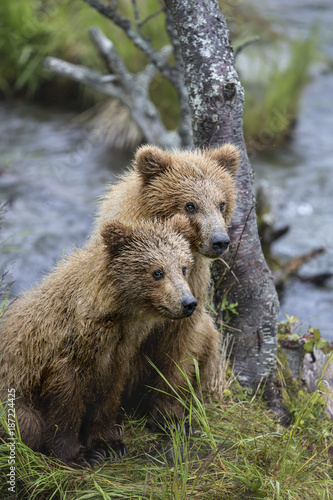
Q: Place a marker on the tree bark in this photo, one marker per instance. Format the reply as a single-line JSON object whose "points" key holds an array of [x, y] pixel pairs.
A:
{"points": [[216, 101]]}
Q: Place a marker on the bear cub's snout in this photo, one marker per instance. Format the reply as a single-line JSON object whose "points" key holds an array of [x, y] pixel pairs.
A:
{"points": [[189, 305], [220, 242]]}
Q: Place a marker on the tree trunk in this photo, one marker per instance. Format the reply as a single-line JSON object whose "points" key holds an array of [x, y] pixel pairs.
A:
{"points": [[216, 101]]}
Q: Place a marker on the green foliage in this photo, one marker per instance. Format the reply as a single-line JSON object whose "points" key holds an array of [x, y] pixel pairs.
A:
{"points": [[316, 341], [272, 99], [228, 309], [289, 337]]}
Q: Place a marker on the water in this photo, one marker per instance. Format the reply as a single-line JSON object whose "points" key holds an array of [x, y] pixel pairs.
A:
{"points": [[300, 180], [51, 174], [300, 176]]}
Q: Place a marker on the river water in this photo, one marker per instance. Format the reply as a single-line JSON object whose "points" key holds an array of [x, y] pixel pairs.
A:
{"points": [[300, 176], [52, 172]]}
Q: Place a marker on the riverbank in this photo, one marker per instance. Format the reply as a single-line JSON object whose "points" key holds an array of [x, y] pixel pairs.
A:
{"points": [[238, 451]]}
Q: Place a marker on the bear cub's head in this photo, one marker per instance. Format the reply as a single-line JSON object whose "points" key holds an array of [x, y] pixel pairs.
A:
{"points": [[198, 184], [148, 264]]}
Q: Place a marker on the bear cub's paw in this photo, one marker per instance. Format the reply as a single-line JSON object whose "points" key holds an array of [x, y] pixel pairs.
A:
{"points": [[101, 451], [111, 449]]}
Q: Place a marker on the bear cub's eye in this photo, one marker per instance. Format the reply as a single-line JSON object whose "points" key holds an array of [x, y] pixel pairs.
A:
{"points": [[184, 270], [191, 208], [222, 206], [158, 274]]}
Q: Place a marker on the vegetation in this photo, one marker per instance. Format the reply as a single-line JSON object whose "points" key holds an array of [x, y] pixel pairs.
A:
{"points": [[237, 451], [273, 94], [289, 335], [33, 30]]}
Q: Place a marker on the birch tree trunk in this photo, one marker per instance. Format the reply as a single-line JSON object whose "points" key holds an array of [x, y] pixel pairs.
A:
{"points": [[216, 102]]}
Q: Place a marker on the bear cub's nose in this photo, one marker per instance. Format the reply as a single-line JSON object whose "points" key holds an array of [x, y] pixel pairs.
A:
{"points": [[189, 305], [220, 242]]}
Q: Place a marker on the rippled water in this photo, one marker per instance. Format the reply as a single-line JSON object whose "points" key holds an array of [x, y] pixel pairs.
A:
{"points": [[51, 174], [301, 175]]}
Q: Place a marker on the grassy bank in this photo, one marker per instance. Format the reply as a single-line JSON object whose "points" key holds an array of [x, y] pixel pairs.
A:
{"points": [[238, 451]]}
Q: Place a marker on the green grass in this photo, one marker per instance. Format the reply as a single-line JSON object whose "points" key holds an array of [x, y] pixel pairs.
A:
{"points": [[272, 99], [238, 451], [30, 31]]}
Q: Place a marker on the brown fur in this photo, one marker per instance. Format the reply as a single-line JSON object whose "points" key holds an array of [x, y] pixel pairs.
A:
{"points": [[160, 184], [67, 344]]}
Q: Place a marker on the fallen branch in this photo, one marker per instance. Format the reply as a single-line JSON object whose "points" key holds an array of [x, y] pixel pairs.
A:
{"points": [[293, 266]]}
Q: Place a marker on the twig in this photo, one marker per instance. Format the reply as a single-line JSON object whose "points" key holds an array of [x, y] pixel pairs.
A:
{"points": [[151, 16], [241, 236], [246, 44], [136, 15], [138, 40], [106, 49]]}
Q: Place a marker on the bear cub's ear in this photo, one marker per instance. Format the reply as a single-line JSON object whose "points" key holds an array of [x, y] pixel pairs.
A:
{"points": [[115, 236], [151, 161], [182, 225], [227, 157]]}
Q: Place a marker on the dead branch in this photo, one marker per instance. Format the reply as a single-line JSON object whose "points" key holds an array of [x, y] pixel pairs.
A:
{"points": [[138, 39], [131, 90], [293, 266], [174, 74]]}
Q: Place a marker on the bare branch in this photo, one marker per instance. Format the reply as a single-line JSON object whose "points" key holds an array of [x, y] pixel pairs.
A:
{"points": [[108, 53], [148, 18], [172, 73], [293, 266], [131, 90], [246, 44], [138, 40], [136, 15], [81, 74]]}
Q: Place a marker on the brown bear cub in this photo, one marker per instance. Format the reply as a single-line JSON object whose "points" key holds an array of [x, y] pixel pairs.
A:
{"points": [[201, 186], [66, 345]]}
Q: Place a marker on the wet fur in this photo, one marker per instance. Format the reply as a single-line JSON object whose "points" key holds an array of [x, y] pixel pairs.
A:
{"points": [[67, 345], [159, 184]]}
